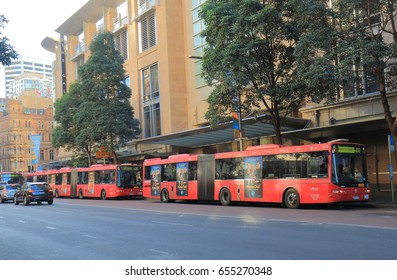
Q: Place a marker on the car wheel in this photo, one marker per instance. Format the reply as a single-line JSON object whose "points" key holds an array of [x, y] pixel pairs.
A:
{"points": [[165, 197], [292, 199], [225, 197], [50, 202], [103, 195]]}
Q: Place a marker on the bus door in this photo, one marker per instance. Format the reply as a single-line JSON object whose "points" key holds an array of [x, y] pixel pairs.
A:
{"points": [[205, 177], [73, 183]]}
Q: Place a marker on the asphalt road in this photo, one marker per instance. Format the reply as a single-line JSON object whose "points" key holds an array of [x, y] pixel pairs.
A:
{"points": [[73, 229]]}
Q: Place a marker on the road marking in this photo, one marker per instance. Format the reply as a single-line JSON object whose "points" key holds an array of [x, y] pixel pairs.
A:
{"points": [[90, 236], [172, 224], [51, 227], [160, 252], [23, 222]]}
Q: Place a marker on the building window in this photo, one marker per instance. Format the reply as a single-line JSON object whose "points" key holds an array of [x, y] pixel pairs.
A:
{"points": [[150, 77], [198, 27], [151, 101], [52, 155], [148, 37], [152, 120], [41, 154], [121, 41]]}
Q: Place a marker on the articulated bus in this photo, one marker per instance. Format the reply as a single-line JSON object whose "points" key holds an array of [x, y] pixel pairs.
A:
{"points": [[37, 176], [97, 181], [289, 175], [12, 178]]}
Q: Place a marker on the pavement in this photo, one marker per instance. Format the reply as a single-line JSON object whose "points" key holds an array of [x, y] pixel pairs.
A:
{"points": [[383, 198]]}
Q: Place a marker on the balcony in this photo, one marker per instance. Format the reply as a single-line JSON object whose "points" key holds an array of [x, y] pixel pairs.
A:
{"points": [[79, 50], [147, 5], [119, 22]]}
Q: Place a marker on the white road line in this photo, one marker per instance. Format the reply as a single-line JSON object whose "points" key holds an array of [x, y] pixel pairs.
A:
{"points": [[51, 227], [159, 252], [172, 224]]}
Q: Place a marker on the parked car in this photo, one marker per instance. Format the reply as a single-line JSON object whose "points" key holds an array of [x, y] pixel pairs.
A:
{"points": [[34, 192], [7, 192]]}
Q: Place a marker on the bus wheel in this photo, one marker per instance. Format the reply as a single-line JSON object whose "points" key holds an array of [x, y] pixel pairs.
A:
{"points": [[225, 197], [291, 199], [103, 194], [81, 194], [165, 197]]}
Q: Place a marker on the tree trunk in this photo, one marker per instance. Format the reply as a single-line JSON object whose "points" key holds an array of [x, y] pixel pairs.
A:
{"points": [[392, 125], [115, 157]]}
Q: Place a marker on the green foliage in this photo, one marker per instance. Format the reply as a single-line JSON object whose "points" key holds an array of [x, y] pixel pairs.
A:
{"points": [[251, 52], [97, 111], [7, 52]]}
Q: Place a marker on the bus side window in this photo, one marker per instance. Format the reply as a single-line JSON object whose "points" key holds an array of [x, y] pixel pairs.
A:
{"points": [[193, 171], [147, 173], [168, 172]]}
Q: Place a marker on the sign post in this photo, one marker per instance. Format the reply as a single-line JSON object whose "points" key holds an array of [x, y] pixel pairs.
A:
{"points": [[390, 142]]}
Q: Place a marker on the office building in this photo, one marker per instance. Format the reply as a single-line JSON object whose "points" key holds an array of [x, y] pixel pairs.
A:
{"points": [[161, 44], [40, 73]]}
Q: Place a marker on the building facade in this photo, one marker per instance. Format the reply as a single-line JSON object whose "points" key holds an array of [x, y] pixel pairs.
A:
{"points": [[24, 119], [162, 46], [32, 73]]}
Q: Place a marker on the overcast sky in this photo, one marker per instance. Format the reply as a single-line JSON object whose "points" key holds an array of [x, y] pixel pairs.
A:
{"points": [[30, 22]]}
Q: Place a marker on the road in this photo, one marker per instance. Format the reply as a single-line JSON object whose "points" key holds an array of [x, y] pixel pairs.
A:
{"points": [[73, 229]]}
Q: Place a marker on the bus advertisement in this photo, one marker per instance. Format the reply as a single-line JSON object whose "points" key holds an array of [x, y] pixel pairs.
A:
{"points": [[289, 175]]}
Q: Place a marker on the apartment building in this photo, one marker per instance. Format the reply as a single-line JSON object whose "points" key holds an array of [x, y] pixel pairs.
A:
{"points": [[22, 120], [162, 47], [30, 72]]}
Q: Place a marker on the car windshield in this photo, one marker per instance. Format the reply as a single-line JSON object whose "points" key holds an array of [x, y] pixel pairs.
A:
{"points": [[40, 187]]}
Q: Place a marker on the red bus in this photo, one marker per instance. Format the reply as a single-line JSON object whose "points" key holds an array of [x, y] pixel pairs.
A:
{"points": [[12, 178], [60, 182], [37, 176], [291, 175], [97, 181]]}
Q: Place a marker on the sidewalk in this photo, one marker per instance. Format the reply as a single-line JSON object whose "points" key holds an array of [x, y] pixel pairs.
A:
{"points": [[383, 198]]}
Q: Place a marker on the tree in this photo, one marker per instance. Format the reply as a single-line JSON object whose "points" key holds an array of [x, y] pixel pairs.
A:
{"points": [[250, 56], [363, 45], [102, 114], [7, 52], [66, 133]]}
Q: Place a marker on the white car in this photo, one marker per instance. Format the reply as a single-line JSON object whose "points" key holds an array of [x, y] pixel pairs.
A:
{"points": [[7, 192]]}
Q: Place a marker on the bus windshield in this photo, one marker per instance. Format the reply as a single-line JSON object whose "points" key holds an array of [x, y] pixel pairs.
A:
{"points": [[129, 176], [348, 166], [11, 178]]}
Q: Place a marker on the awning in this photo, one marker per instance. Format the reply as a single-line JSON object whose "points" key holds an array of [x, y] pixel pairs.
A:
{"points": [[253, 127], [350, 130]]}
